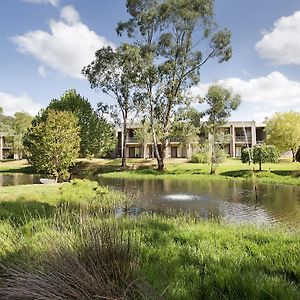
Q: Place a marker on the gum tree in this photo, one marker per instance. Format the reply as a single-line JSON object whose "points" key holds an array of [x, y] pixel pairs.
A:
{"points": [[115, 73], [177, 38]]}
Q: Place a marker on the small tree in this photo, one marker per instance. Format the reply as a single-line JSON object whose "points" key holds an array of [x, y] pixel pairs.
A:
{"points": [[221, 102], [260, 154], [53, 143], [283, 131], [96, 134]]}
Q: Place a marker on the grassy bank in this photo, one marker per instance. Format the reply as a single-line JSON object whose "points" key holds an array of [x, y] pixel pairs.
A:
{"points": [[170, 258], [284, 172]]}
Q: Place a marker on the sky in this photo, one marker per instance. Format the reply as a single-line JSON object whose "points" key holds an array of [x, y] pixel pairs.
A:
{"points": [[44, 44]]}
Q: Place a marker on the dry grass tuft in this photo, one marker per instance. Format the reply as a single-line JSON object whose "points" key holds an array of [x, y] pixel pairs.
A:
{"points": [[98, 260]]}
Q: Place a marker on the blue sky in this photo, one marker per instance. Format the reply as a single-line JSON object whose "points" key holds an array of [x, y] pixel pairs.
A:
{"points": [[45, 43]]}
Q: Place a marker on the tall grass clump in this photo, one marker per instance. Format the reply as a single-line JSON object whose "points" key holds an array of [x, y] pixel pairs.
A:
{"points": [[90, 196], [89, 259]]}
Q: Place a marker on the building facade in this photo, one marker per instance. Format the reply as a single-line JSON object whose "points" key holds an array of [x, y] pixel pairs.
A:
{"points": [[242, 135], [6, 147]]}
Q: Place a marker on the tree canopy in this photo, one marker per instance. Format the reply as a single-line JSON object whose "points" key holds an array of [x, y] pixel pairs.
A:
{"points": [[116, 73], [96, 134], [283, 131], [260, 154], [171, 41], [53, 143]]}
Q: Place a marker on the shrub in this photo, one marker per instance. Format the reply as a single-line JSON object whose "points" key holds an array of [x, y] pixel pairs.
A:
{"points": [[200, 158]]}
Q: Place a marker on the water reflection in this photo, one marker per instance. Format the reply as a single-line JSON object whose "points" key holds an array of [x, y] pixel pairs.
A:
{"points": [[241, 202], [18, 179]]}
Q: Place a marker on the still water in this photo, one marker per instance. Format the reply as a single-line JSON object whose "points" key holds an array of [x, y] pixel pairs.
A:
{"points": [[18, 179], [239, 202]]}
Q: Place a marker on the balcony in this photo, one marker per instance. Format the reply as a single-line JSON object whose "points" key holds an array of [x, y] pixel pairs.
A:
{"points": [[132, 140], [243, 139], [7, 145]]}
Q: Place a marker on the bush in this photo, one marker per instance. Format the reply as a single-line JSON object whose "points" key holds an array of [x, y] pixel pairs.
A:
{"points": [[200, 158]]}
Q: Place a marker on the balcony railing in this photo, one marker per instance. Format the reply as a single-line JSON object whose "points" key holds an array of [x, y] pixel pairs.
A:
{"points": [[132, 140], [243, 139], [7, 145]]}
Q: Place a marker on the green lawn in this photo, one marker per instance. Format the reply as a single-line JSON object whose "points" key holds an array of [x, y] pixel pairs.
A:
{"points": [[180, 257], [284, 172]]}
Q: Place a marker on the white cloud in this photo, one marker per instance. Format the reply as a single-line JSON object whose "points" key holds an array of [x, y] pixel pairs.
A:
{"points": [[261, 96], [11, 104], [70, 14], [282, 44], [68, 47], [52, 2], [42, 72]]}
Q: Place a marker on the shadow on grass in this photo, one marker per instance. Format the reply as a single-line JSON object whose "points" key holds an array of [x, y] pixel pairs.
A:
{"points": [[19, 212], [23, 170], [238, 173], [286, 173]]}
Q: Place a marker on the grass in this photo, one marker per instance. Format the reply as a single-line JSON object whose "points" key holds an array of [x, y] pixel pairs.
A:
{"points": [[284, 172], [174, 258]]}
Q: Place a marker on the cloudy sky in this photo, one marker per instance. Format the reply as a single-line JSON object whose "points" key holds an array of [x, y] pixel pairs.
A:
{"points": [[45, 43]]}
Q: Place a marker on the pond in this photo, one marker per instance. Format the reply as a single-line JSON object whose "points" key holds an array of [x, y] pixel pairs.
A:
{"points": [[233, 201], [239, 202], [18, 179]]}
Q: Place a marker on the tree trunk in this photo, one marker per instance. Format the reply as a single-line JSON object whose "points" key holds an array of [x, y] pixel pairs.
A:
{"points": [[260, 166], [160, 162], [123, 165], [294, 155], [212, 162]]}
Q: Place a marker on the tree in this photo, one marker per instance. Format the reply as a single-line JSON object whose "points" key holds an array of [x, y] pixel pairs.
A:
{"points": [[96, 134], [283, 131], [170, 35], [260, 154], [20, 125], [221, 102], [53, 142], [115, 73]]}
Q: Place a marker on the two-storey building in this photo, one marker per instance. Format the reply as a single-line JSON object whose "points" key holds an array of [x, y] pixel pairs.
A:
{"points": [[242, 134]]}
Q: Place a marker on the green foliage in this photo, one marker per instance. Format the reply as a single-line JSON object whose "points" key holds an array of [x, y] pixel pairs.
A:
{"points": [[21, 123], [168, 34], [116, 73], [283, 131], [96, 134], [221, 102], [200, 158], [53, 143], [86, 194], [260, 154]]}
